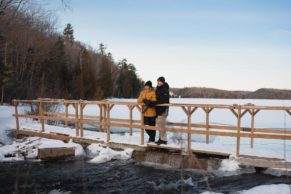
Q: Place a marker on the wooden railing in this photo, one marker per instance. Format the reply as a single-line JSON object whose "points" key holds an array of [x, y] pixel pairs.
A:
{"points": [[105, 121]]}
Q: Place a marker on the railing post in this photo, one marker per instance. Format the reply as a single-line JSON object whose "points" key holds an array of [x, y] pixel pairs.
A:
{"points": [[109, 107], [189, 111], [41, 107], [130, 118], [82, 106], [253, 114], [15, 102], [67, 114], [207, 111], [76, 105], [142, 129], [189, 129], [139, 108], [238, 131], [105, 117], [100, 117], [252, 127]]}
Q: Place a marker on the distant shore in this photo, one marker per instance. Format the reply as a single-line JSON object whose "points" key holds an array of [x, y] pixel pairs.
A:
{"points": [[201, 92]]}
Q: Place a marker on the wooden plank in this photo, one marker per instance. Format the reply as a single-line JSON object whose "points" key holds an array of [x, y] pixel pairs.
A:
{"points": [[29, 132], [244, 112], [224, 106], [199, 151], [185, 110], [263, 162], [233, 111], [275, 131], [193, 110]]}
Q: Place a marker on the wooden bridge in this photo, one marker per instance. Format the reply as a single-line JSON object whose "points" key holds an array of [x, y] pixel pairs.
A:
{"points": [[104, 120]]}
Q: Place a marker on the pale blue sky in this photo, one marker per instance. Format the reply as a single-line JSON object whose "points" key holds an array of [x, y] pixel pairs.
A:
{"points": [[227, 44]]}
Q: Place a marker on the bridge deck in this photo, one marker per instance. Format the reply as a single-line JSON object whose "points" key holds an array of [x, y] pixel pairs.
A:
{"points": [[209, 150]]}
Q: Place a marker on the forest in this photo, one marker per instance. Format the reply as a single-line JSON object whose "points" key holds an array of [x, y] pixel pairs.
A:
{"points": [[37, 61]]}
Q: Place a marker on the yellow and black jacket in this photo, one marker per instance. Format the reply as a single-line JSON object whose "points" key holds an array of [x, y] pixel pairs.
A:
{"points": [[148, 94]]}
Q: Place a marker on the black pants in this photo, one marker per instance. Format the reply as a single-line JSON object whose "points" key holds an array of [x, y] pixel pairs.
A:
{"points": [[151, 121]]}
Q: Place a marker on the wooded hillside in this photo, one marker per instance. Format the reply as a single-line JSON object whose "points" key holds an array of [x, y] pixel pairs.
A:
{"points": [[263, 93], [37, 61]]}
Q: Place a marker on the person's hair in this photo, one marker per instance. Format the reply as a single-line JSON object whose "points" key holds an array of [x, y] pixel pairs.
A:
{"points": [[149, 83], [161, 79]]}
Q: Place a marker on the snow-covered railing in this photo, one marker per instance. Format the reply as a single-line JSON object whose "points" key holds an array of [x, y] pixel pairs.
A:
{"points": [[105, 121]]}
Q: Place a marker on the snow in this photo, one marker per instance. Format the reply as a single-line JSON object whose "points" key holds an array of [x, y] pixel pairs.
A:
{"points": [[103, 154], [229, 165], [6, 122], [58, 191], [173, 185], [263, 189], [27, 148], [269, 189], [278, 171]]}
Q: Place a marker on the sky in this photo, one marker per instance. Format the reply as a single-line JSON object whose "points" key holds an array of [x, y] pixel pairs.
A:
{"points": [[225, 44]]}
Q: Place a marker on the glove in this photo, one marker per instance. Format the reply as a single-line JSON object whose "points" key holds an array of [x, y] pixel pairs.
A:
{"points": [[147, 102]]}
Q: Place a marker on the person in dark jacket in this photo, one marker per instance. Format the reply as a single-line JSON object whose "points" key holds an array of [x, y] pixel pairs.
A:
{"points": [[163, 97]]}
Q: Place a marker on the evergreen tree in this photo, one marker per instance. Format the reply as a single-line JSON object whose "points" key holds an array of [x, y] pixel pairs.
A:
{"points": [[69, 32], [105, 77]]}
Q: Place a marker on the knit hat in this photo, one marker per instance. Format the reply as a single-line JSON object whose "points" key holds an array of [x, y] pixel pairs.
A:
{"points": [[161, 79], [149, 83]]}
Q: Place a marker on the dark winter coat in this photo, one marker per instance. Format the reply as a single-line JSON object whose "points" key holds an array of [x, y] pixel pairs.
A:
{"points": [[163, 97]]}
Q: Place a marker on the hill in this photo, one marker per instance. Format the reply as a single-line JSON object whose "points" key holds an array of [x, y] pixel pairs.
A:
{"points": [[202, 92]]}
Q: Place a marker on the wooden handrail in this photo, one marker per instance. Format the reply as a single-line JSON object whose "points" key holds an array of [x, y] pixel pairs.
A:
{"points": [[105, 121]]}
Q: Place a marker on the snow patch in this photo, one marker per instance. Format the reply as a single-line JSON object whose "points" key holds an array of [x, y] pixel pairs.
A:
{"points": [[79, 151], [27, 148], [173, 185], [58, 191], [229, 165], [103, 154], [268, 189], [278, 171]]}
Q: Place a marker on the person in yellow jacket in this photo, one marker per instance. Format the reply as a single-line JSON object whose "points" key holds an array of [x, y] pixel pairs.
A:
{"points": [[148, 97]]}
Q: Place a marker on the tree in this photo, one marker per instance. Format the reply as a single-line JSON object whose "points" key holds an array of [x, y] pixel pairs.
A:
{"points": [[35, 61], [129, 85], [69, 32], [105, 77], [102, 49]]}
